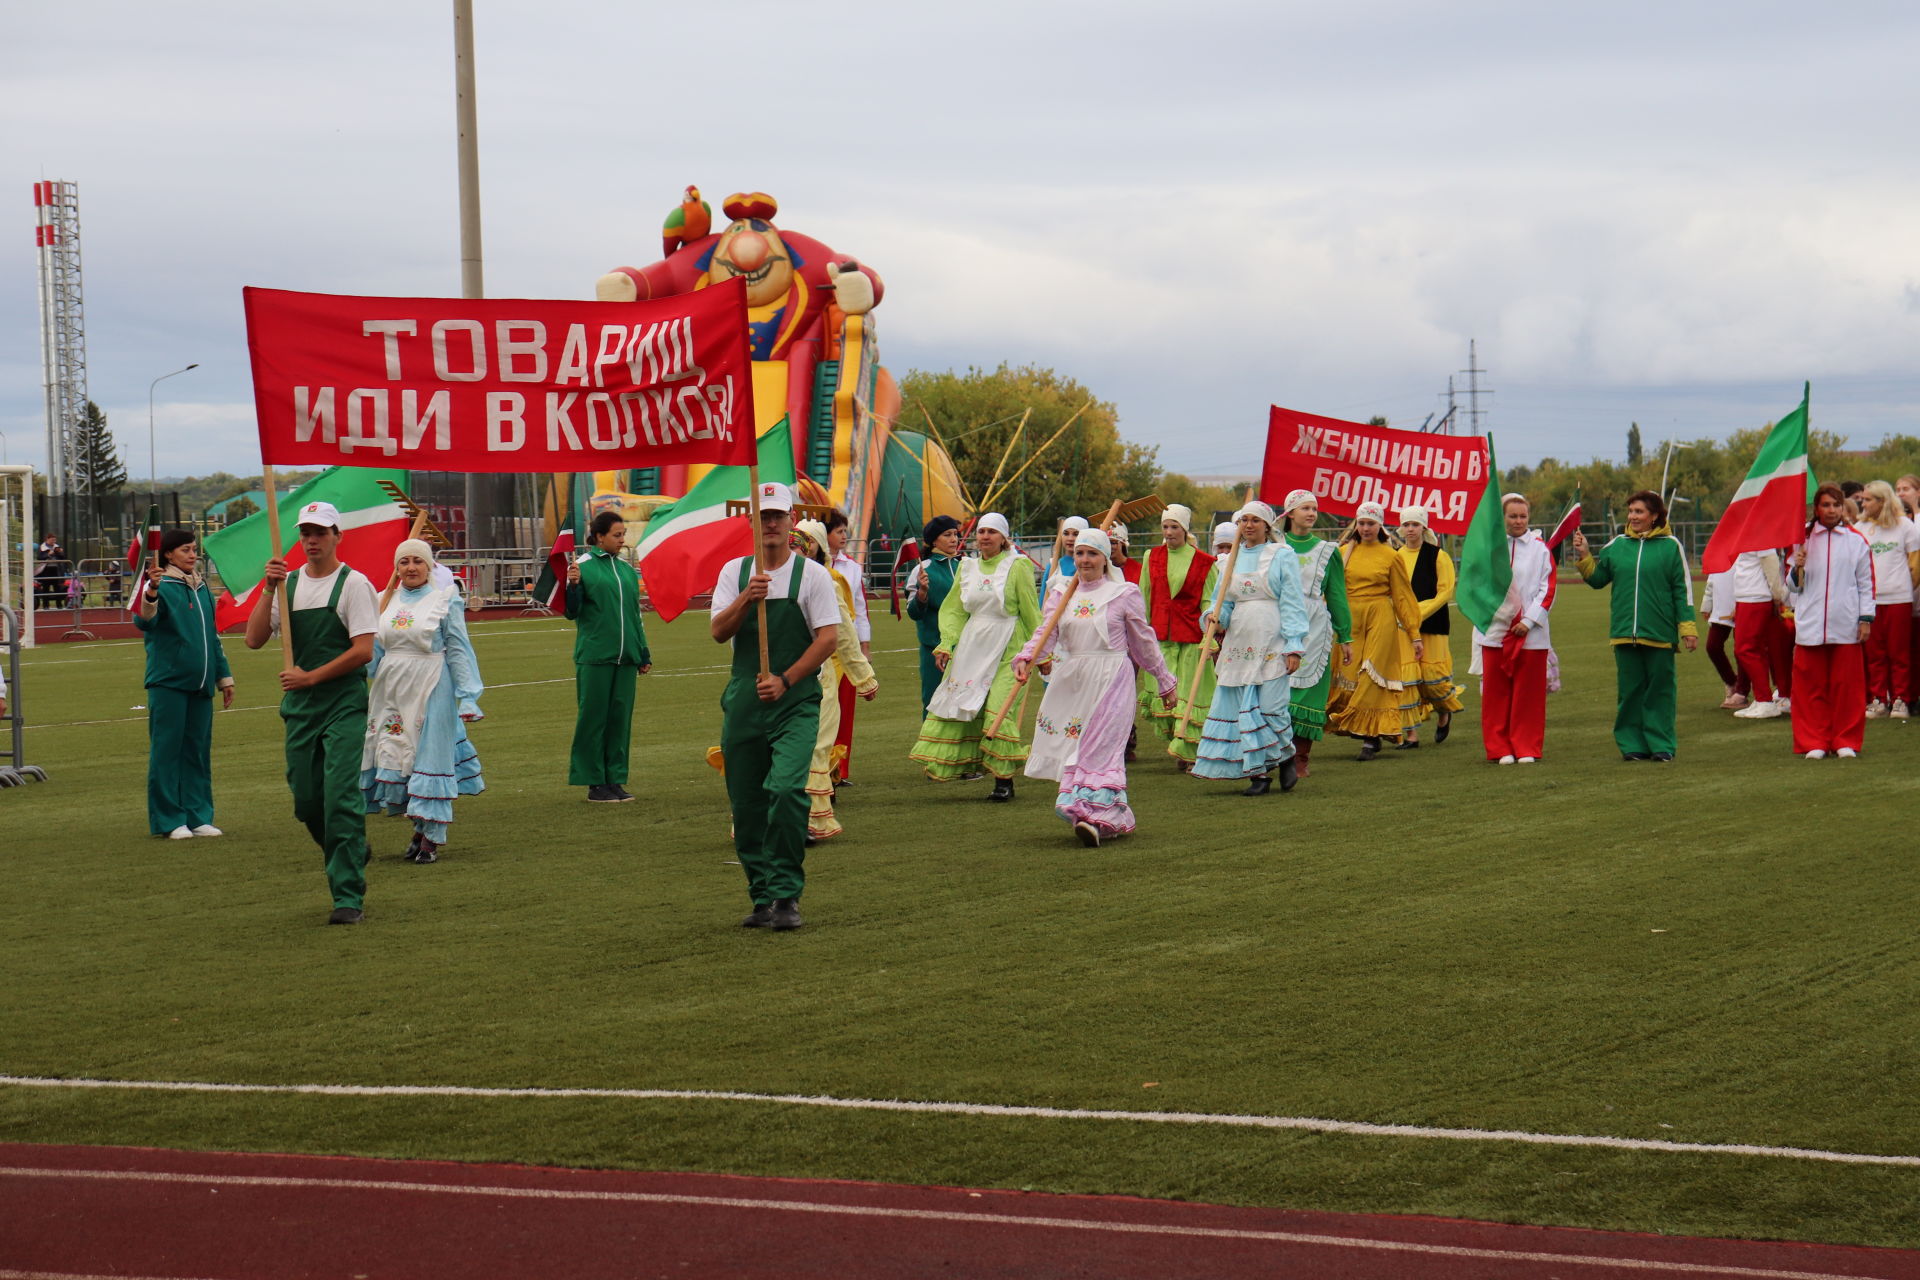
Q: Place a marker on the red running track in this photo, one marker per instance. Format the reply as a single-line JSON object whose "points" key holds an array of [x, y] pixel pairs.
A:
{"points": [[70, 1212]]}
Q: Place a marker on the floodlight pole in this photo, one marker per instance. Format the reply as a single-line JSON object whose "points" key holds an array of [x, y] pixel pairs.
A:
{"points": [[472, 283], [153, 474]]}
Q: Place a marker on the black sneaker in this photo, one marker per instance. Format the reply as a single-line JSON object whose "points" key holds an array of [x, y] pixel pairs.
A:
{"points": [[618, 792], [346, 915], [759, 918], [1635, 757], [1662, 757], [786, 914], [602, 795], [1002, 790]]}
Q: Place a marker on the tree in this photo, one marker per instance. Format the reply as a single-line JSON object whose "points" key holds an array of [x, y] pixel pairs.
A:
{"points": [[240, 508], [975, 415], [1377, 420], [1634, 456], [101, 468]]}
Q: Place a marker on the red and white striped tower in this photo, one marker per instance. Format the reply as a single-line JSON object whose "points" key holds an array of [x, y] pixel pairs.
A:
{"points": [[63, 335]]}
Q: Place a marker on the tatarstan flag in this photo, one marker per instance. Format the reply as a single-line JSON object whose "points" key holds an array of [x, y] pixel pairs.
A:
{"points": [[372, 527], [688, 540], [1486, 570], [1769, 509], [141, 553]]}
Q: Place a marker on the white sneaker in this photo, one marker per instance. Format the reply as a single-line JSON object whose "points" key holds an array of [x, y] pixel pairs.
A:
{"points": [[180, 833], [1816, 754], [1760, 711], [1900, 711], [1876, 710], [1506, 760], [208, 829], [1529, 760], [1847, 753], [1785, 705]]}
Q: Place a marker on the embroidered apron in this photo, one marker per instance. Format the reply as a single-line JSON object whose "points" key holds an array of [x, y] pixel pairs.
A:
{"points": [[976, 659]]}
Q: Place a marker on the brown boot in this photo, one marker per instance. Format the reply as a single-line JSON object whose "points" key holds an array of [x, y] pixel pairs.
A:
{"points": [[1302, 753]]}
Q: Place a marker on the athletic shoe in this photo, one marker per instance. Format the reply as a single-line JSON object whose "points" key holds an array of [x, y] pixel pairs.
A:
{"points": [[1504, 760], [602, 795], [180, 833], [413, 847], [1785, 704], [1289, 775], [1900, 711], [1533, 759], [346, 915], [1847, 753], [426, 853], [1088, 833], [975, 776], [1876, 710], [786, 914], [208, 829], [620, 793], [1662, 757], [1816, 754], [1636, 757], [1760, 711], [759, 918]]}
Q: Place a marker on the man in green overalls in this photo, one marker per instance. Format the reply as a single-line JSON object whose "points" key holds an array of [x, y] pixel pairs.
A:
{"points": [[769, 721], [334, 614]]}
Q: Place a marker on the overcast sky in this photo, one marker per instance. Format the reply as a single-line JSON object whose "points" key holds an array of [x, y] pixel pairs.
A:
{"points": [[1668, 212]]}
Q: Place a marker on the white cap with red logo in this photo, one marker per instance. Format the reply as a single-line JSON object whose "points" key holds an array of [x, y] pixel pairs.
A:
{"points": [[320, 513], [775, 496]]}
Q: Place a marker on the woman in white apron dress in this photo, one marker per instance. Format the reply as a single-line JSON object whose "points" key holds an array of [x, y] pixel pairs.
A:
{"points": [[992, 610], [1263, 632], [424, 691], [1080, 732]]}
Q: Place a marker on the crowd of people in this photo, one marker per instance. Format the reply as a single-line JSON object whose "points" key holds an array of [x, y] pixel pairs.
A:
{"points": [[1242, 656]]}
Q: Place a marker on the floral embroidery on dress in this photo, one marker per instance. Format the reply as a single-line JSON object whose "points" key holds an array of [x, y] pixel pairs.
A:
{"points": [[393, 726], [1084, 610], [1073, 727], [1044, 724], [402, 619]]}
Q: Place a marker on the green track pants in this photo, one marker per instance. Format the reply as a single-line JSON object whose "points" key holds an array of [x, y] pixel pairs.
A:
{"points": [[604, 729], [1649, 700], [179, 760]]}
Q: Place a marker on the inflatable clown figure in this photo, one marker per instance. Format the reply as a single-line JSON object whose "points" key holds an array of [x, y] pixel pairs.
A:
{"points": [[815, 361]]}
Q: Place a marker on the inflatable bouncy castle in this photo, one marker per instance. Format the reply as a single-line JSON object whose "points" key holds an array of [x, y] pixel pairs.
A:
{"points": [[815, 363]]}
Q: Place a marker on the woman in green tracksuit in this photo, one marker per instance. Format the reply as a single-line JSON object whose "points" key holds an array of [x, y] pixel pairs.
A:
{"points": [[185, 667], [1652, 614], [609, 650]]}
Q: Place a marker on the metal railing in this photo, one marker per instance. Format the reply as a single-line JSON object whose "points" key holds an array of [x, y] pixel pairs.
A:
{"points": [[15, 771]]}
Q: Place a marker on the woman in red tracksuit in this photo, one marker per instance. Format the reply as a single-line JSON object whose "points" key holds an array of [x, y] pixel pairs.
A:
{"points": [[1831, 586]]}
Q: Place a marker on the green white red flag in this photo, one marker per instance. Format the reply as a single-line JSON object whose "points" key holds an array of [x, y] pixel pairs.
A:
{"points": [[1769, 509], [372, 527], [140, 556], [689, 540], [1486, 570]]}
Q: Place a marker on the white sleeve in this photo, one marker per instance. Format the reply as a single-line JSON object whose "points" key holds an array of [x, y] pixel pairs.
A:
{"points": [[818, 603], [359, 606], [727, 588], [857, 580]]}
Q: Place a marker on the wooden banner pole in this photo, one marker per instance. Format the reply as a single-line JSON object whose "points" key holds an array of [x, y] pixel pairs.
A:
{"points": [[1206, 642], [759, 558], [279, 551]]}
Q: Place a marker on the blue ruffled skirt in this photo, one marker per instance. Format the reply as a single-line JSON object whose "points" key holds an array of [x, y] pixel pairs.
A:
{"points": [[1249, 731], [444, 766]]}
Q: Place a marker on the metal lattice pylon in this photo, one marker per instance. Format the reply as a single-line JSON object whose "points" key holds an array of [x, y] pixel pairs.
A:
{"points": [[63, 329]]}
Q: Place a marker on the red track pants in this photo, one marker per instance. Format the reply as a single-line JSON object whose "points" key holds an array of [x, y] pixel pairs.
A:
{"points": [[1889, 651], [1763, 645], [1513, 709], [1829, 697]]}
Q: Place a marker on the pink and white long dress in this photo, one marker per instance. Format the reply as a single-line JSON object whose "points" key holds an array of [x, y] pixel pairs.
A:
{"points": [[1080, 735]]}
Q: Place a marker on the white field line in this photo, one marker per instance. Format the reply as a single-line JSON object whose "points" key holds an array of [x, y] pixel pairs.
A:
{"points": [[920, 1215], [1202, 1118], [681, 674]]}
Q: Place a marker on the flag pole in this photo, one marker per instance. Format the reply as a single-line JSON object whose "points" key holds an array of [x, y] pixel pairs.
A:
{"points": [[280, 588], [759, 559]]}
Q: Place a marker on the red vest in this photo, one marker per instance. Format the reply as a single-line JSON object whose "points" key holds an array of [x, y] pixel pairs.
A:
{"points": [[1177, 617], [1131, 571]]}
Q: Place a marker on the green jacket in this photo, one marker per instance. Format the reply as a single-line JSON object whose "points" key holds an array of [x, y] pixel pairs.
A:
{"points": [[939, 571], [605, 604], [1652, 592], [183, 649]]}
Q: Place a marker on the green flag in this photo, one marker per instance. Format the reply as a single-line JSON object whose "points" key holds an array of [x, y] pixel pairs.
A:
{"points": [[1486, 571]]}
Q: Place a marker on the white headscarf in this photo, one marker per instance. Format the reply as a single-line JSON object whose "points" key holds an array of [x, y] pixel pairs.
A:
{"points": [[1224, 532], [1420, 516], [1100, 542], [815, 531], [995, 521], [1298, 498], [413, 547], [1073, 522], [1180, 515], [1371, 511], [1261, 510]]}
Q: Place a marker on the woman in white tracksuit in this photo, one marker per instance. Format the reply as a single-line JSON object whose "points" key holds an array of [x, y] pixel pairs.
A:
{"points": [[1512, 652], [1831, 586]]}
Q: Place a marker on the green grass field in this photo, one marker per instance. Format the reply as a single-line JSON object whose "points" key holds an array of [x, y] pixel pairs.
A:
{"points": [[1722, 950]]}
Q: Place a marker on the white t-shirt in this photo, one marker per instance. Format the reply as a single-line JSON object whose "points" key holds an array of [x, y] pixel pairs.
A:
{"points": [[818, 603], [1892, 579], [359, 606], [856, 577]]}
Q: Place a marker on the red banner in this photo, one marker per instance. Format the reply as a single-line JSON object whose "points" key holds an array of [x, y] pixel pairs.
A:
{"points": [[1347, 463], [482, 384]]}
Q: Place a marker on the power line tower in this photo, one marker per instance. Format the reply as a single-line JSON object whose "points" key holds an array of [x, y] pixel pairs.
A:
{"points": [[63, 339], [1474, 389]]}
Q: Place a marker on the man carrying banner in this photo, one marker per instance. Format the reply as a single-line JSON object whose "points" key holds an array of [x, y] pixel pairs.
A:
{"points": [[769, 722], [333, 614]]}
